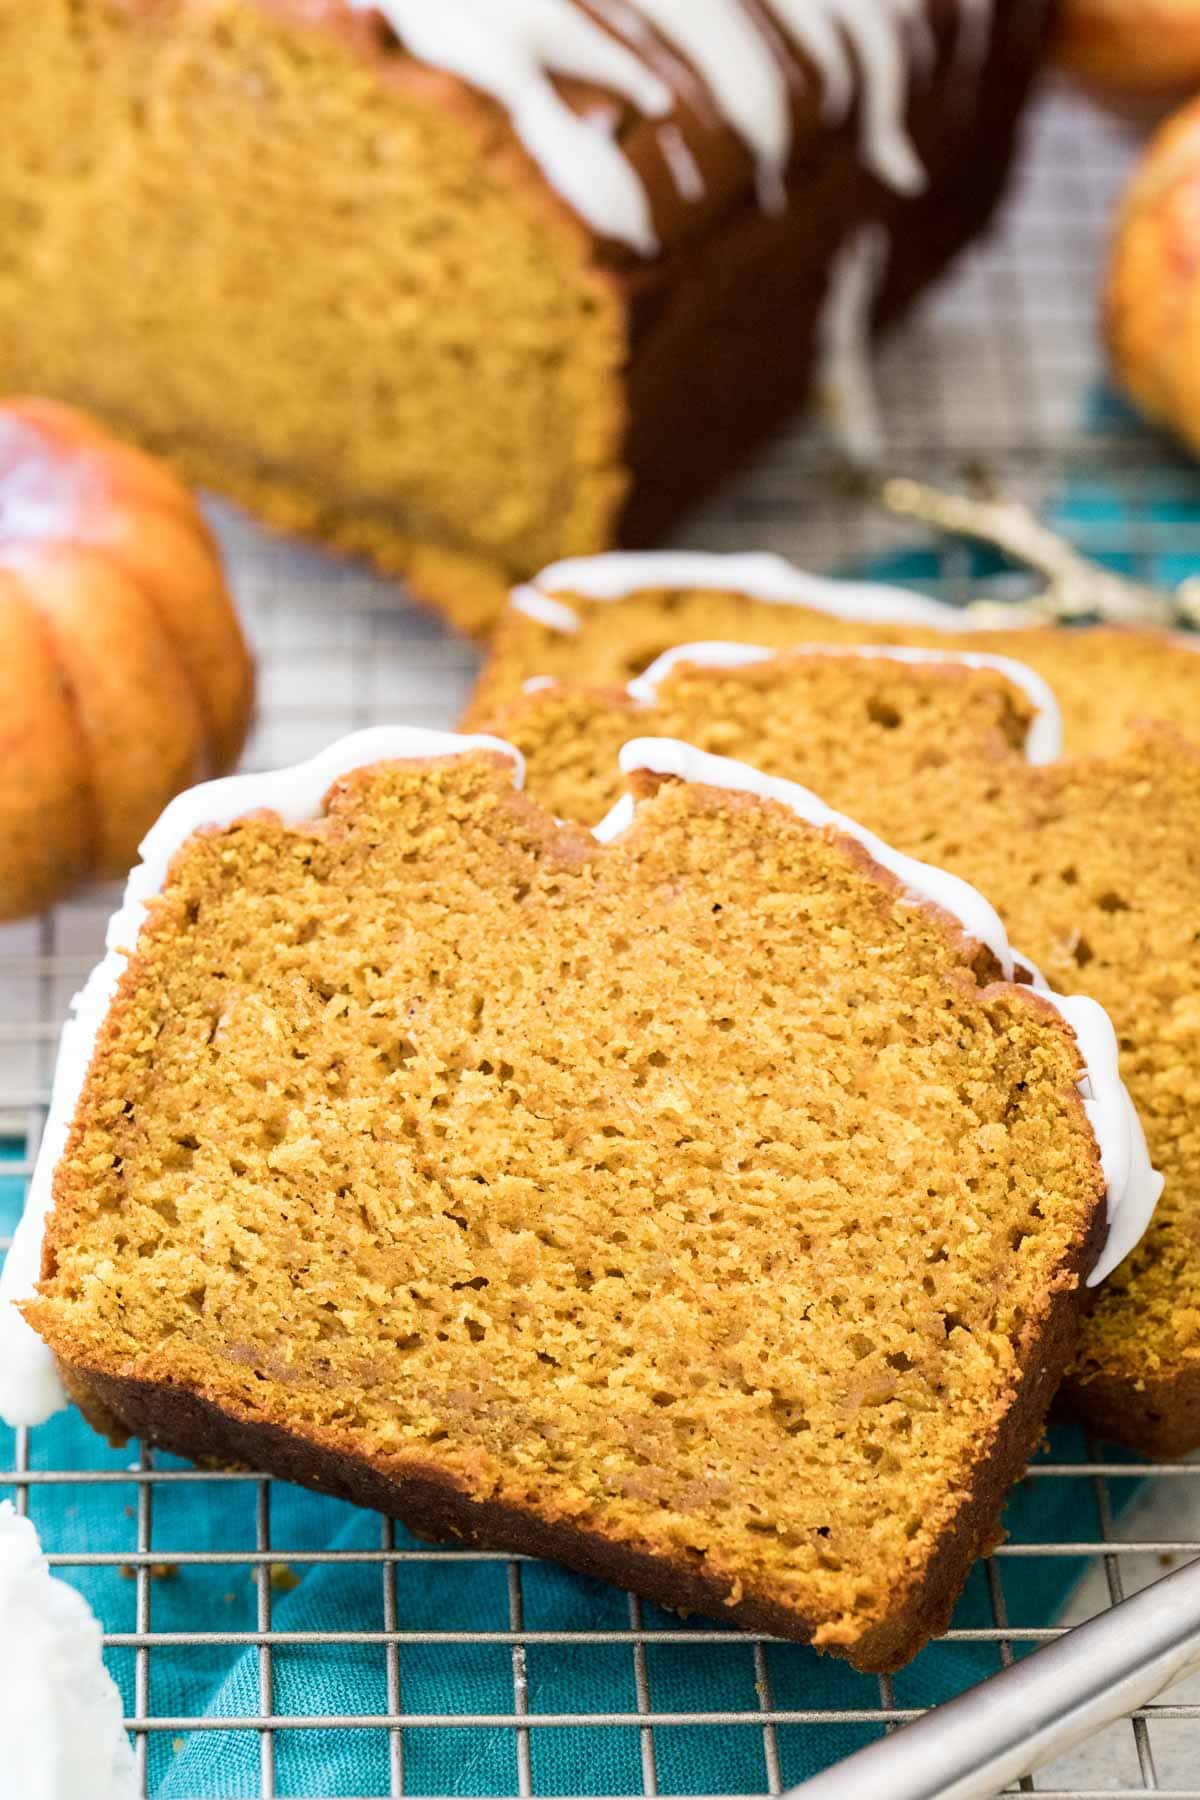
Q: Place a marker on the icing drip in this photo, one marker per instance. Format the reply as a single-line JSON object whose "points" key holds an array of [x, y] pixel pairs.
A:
{"points": [[876, 30], [30, 1389], [759, 575], [743, 75], [623, 18], [1043, 742], [1133, 1185], [60, 1709], [513, 51], [845, 381], [815, 30], [888, 151], [685, 171]]}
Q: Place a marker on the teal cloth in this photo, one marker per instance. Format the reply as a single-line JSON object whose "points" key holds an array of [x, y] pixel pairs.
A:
{"points": [[446, 1678]]}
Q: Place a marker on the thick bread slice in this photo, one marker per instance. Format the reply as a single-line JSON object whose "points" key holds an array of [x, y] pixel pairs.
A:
{"points": [[701, 1207]]}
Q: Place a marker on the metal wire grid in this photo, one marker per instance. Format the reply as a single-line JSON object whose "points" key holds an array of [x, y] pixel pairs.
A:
{"points": [[998, 368], [1115, 1554]]}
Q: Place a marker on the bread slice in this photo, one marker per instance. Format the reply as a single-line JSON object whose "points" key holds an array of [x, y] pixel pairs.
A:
{"points": [[1093, 863], [697, 1203], [604, 619], [886, 732]]}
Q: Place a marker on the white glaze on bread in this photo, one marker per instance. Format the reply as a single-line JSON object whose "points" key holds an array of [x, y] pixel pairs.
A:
{"points": [[759, 575], [844, 389]]}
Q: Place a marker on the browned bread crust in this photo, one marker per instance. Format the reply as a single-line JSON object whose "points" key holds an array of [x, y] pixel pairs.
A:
{"points": [[1156, 1414]]}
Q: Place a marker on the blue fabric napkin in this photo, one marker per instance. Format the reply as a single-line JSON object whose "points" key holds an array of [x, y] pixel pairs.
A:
{"points": [[221, 1681]]}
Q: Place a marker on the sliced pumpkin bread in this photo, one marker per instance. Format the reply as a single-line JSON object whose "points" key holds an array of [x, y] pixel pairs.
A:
{"points": [[698, 1203]]}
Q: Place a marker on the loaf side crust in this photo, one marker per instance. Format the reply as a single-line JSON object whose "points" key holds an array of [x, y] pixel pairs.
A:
{"points": [[1157, 1415]]}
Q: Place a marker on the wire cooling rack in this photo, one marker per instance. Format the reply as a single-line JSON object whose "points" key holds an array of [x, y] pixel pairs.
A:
{"points": [[1000, 370]]}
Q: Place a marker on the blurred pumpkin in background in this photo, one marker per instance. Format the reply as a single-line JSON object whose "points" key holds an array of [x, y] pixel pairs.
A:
{"points": [[124, 675], [1152, 292], [1141, 55]]}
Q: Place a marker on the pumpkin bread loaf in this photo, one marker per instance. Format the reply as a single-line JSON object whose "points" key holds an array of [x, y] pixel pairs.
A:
{"points": [[467, 286], [602, 620], [124, 676], [1092, 862], [699, 1206]]}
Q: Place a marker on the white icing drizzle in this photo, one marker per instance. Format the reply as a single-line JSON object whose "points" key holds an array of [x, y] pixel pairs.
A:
{"points": [[1133, 1185], [877, 31], [742, 73], [844, 385], [888, 150], [685, 170], [1043, 741], [30, 1389], [623, 18], [554, 614], [512, 52], [60, 1710], [827, 47], [617, 574]]}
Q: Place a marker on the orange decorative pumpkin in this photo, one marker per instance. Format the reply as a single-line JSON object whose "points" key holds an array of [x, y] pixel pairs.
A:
{"points": [[124, 676], [1143, 55], [1152, 290]]}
